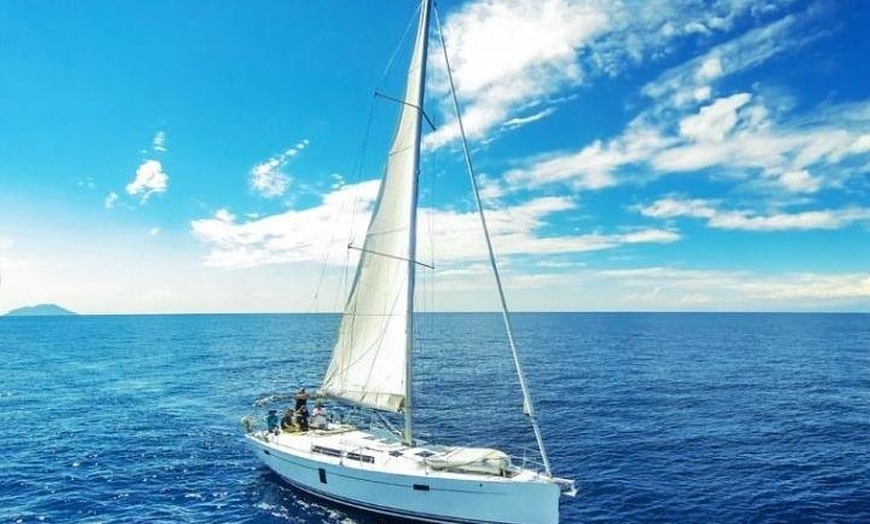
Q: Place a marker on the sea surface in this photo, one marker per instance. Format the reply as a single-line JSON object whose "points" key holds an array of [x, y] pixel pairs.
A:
{"points": [[726, 418]]}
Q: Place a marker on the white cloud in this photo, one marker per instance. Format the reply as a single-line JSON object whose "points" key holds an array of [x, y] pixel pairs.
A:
{"points": [[515, 230], [813, 286], [110, 200], [702, 93], [715, 121], [670, 208], [268, 178], [739, 135], [770, 147], [664, 289], [521, 121], [657, 288], [711, 69], [589, 168], [87, 183], [150, 178], [511, 55], [293, 236], [800, 181], [159, 142], [676, 87], [154, 231], [593, 166], [490, 189], [751, 221], [306, 235], [224, 216]]}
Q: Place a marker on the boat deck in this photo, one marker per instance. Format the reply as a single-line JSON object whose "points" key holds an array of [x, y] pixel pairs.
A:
{"points": [[374, 450]]}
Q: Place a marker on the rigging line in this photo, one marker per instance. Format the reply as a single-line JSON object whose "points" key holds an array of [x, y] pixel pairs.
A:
{"points": [[387, 255], [527, 401]]}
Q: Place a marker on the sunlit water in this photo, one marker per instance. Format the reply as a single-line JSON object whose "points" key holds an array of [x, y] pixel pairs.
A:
{"points": [[659, 417]]}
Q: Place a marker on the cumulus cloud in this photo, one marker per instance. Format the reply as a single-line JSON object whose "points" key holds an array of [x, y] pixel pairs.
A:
{"points": [[150, 178]]}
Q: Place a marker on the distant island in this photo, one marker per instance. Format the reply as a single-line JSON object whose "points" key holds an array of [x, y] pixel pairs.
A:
{"points": [[42, 310]]}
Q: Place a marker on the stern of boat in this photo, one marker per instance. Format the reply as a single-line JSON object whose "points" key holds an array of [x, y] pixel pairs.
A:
{"points": [[567, 487]]}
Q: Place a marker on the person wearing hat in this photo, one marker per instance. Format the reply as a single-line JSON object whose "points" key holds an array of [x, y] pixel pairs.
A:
{"points": [[301, 398]]}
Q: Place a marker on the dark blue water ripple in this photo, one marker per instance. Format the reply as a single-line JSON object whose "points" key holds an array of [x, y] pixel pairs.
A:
{"points": [[660, 418]]}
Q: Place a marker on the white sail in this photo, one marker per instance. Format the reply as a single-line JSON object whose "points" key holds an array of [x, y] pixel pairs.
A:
{"points": [[369, 363]]}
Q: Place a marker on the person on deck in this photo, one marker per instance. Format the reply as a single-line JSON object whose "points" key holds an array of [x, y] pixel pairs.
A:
{"points": [[302, 418], [287, 423], [301, 398], [318, 417], [272, 421]]}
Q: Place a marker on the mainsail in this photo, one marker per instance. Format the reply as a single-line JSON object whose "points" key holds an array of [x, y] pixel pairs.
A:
{"points": [[370, 361]]}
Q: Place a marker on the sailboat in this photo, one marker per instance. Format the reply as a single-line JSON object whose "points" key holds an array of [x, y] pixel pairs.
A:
{"points": [[391, 472]]}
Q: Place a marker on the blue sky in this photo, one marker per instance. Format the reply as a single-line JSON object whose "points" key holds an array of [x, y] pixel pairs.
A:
{"points": [[634, 155]]}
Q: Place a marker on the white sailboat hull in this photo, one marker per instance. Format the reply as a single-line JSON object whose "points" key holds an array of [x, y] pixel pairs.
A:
{"points": [[394, 485]]}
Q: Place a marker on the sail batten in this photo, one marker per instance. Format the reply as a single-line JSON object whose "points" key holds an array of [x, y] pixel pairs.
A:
{"points": [[370, 363]]}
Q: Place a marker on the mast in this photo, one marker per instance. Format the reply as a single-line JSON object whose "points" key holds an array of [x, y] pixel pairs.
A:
{"points": [[422, 40], [371, 362], [527, 400]]}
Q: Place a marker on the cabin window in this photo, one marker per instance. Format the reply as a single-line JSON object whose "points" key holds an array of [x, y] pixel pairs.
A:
{"points": [[326, 451], [322, 473], [421, 487], [368, 459]]}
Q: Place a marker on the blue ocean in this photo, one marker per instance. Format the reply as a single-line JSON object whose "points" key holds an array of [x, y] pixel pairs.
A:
{"points": [[728, 418]]}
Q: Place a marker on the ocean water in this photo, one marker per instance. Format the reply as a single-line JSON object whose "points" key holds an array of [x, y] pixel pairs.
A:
{"points": [[737, 418]]}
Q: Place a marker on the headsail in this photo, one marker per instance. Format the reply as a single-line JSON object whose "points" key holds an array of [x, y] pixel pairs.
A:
{"points": [[369, 363]]}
